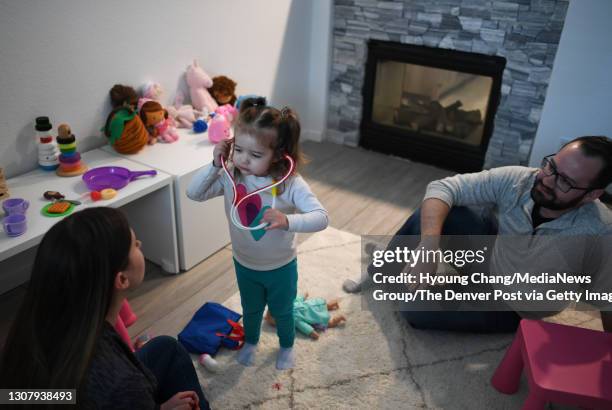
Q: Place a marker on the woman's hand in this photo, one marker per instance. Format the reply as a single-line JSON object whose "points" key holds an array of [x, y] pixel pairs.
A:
{"points": [[221, 149], [185, 400], [276, 219]]}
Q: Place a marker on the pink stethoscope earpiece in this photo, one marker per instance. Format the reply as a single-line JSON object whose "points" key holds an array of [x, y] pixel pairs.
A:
{"points": [[236, 203]]}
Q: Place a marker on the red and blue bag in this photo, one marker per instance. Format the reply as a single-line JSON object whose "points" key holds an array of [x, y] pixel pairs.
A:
{"points": [[212, 326]]}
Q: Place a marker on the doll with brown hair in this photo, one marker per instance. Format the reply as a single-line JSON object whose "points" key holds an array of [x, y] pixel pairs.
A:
{"points": [[123, 96], [223, 90], [312, 315], [125, 131], [155, 119]]}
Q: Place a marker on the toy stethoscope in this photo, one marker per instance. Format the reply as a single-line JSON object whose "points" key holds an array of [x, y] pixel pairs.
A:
{"points": [[236, 203]]}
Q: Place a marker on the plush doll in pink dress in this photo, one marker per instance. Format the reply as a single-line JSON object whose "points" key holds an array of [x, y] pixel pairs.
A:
{"points": [[157, 121]]}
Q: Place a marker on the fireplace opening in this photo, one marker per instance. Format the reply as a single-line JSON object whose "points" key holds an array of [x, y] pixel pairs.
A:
{"points": [[431, 105]]}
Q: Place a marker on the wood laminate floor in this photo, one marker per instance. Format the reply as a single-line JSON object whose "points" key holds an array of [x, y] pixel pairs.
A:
{"points": [[365, 193]]}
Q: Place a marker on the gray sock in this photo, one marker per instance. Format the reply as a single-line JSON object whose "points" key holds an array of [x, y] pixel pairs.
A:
{"points": [[350, 286], [285, 359], [246, 355]]}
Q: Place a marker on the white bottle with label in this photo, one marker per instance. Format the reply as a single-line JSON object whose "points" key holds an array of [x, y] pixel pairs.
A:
{"points": [[47, 149]]}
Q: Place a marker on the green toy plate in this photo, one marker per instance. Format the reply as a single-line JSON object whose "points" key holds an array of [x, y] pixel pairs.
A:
{"points": [[46, 213]]}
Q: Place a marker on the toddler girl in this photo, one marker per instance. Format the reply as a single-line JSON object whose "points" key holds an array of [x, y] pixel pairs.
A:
{"points": [[263, 227]]}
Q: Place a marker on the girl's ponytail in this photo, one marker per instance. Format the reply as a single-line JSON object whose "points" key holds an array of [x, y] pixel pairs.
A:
{"points": [[289, 130]]}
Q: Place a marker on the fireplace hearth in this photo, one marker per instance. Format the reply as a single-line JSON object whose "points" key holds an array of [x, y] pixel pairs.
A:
{"points": [[430, 104]]}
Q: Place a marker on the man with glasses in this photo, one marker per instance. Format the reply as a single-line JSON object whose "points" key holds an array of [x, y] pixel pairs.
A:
{"points": [[560, 198]]}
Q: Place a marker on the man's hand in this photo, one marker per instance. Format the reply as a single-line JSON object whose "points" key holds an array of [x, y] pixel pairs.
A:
{"points": [[276, 219], [424, 264]]}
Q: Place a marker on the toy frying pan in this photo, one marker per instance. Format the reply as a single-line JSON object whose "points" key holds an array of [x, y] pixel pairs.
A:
{"points": [[101, 178]]}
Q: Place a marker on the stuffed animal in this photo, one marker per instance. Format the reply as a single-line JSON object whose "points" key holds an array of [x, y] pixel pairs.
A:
{"points": [[123, 96], [198, 82], [4, 192], [124, 128], [156, 120], [221, 124], [152, 91], [184, 114], [223, 90]]}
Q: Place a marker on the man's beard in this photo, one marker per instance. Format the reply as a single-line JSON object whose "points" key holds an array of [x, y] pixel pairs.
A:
{"points": [[551, 203]]}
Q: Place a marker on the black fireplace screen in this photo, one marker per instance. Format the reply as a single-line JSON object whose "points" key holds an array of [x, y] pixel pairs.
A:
{"points": [[440, 103], [433, 105]]}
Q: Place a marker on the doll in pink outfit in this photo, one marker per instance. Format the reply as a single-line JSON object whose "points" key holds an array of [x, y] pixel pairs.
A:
{"points": [[157, 121], [166, 130]]}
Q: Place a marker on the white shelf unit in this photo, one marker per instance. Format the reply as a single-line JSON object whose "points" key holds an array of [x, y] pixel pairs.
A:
{"points": [[201, 226]]}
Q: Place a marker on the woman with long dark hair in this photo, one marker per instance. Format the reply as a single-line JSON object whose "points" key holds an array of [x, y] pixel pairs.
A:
{"points": [[63, 335]]}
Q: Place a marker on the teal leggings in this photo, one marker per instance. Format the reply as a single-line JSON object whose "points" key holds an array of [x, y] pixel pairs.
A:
{"points": [[277, 288]]}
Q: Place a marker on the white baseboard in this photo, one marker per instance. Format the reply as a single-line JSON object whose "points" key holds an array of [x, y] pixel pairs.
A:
{"points": [[311, 135]]}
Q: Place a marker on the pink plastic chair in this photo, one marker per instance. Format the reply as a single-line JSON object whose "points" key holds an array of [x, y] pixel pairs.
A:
{"points": [[563, 364], [125, 319]]}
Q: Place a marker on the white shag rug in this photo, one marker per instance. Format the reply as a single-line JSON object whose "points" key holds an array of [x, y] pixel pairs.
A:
{"points": [[375, 361]]}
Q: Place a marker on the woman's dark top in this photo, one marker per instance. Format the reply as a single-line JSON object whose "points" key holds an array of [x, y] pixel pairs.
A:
{"points": [[116, 379]]}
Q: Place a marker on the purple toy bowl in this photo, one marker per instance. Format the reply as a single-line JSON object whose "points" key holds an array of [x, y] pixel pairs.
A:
{"points": [[101, 178]]}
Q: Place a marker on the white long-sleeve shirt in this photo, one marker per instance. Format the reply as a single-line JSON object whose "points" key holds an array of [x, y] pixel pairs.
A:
{"points": [[260, 249]]}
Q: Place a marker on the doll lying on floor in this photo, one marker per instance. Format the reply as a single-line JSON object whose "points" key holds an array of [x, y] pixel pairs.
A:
{"points": [[312, 316]]}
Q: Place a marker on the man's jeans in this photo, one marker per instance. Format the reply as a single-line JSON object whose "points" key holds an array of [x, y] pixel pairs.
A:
{"points": [[460, 221]]}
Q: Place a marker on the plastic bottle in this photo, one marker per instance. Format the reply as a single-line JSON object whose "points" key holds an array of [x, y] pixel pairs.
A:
{"points": [[47, 149]]}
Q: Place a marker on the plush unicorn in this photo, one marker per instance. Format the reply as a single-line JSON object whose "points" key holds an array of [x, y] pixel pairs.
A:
{"points": [[198, 82]]}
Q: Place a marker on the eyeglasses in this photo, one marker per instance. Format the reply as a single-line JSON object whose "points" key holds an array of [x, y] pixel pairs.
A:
{"points": [[549, 168]]}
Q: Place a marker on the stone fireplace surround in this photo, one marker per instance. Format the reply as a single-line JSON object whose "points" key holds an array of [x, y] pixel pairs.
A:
{"points": [[525, 32]]}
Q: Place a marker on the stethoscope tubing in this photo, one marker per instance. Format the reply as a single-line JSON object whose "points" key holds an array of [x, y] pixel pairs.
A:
{"points": [[236, 203]]}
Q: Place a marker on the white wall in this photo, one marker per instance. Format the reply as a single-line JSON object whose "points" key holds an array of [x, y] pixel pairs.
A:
{"points": [[320, 67], [578, 98], [60, 58]]}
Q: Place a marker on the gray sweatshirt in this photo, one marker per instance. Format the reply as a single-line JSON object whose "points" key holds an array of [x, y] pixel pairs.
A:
{"points": [[508, 189], [576, 242], [260, 249]]}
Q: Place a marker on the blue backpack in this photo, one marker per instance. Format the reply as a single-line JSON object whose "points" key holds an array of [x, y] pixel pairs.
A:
{"points": [[212, 325]]}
